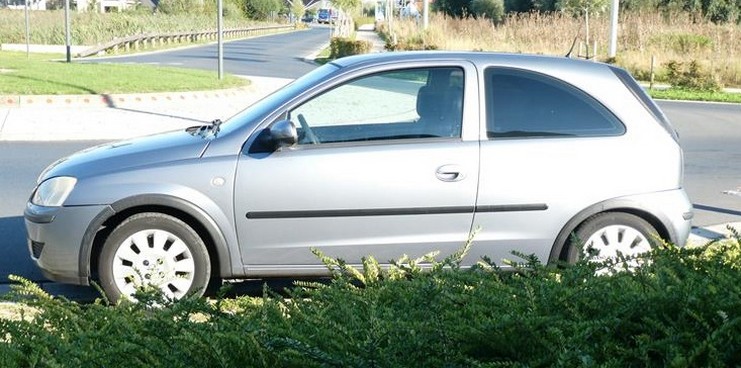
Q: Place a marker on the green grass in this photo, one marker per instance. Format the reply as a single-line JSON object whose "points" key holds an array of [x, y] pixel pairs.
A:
{"points": [[46, 74], [682, 94]]}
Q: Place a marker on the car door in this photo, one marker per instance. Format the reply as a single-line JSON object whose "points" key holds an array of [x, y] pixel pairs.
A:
{"points": [[382, 167]]}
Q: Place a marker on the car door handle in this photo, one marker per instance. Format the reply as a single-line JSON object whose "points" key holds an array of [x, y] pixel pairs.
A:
{"points": [[450, 173]]}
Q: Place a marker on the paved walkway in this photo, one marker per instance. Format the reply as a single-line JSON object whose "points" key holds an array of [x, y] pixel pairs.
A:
{"points": [[368, 33]]}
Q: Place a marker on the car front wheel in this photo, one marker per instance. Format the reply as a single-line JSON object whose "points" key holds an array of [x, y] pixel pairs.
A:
{"points": [[154, 249]]}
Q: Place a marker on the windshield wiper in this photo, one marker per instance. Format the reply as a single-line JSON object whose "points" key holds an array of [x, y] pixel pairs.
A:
{"points": [[212, 128]]}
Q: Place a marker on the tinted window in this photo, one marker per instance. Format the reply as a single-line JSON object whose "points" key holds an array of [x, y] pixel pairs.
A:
{"points": [[527, 104], [402, 104]]}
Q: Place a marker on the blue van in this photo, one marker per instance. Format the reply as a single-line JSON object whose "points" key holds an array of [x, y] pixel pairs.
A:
{"points": [[324, 16]]}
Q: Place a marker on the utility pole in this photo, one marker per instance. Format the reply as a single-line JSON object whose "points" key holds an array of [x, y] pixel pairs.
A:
{"points": [[28, 34], [613, 28], [426, 14], [220, 38], [67, 38]]}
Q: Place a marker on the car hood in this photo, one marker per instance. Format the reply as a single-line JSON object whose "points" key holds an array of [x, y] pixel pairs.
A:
{"points": [[128, 154]]}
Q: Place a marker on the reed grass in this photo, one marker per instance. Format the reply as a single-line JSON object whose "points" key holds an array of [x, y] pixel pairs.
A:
{"points": [[641, 36]]}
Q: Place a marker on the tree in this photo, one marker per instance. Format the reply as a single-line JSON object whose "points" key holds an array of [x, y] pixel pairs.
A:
{"points": [[717, 11], [344, 25], [453, 8], [298, 9], [490, 9], [262, 9], [543, 5], [584, 7]]}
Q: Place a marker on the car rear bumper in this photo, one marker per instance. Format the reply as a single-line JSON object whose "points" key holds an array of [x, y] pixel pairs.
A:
{"points": [[674, 209], [55, 240]]}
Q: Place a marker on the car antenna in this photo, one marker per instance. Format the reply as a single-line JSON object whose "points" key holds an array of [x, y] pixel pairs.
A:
{"points": [[573, 43]]}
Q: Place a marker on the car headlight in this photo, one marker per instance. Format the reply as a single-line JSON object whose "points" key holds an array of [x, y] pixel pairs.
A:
{"points": [[53, 192]]}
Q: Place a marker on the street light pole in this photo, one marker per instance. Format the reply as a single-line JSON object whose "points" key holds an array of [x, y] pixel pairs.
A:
{"points": [[67, 37], [28, 33], [426, 15], [613, 28], [220, 39]]}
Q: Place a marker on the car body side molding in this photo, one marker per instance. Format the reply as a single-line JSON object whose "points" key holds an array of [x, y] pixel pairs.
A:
{"points": [[259, 215]]}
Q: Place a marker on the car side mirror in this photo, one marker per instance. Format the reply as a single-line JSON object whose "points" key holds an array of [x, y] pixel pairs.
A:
{"points": [[283, 133]]}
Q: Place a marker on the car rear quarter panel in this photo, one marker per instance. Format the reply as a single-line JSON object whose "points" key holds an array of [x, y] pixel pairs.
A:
{"points": [[568, 175]]}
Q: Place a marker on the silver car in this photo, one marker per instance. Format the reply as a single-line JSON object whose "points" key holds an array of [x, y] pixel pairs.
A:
{"points": [[382, 155]]}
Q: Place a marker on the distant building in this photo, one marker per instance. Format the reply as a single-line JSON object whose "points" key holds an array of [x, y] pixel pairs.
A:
{"points": [[21, 4], [104, 6]]}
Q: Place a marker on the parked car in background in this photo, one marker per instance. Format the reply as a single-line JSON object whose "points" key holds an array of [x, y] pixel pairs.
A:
{"points": [[308, 18], [547, 156], [326, 16]]}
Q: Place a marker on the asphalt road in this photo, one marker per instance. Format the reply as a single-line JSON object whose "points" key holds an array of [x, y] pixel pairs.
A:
{"points": [[279, 55], [711, 137]]}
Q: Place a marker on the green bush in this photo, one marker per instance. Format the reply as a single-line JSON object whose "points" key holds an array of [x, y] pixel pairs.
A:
{"points": [[681, 309], [691, 77], [414, 43], [341, 47]]}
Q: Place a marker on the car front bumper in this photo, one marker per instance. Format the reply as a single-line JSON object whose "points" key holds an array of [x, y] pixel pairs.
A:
{"points": [[56, 237]]}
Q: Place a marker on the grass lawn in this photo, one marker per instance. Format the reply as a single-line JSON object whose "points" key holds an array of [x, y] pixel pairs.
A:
{"points": [[680, 94], [46, 74]]}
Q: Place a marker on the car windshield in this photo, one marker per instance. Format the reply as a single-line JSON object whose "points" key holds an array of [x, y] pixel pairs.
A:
{"points": [[271, 102]]}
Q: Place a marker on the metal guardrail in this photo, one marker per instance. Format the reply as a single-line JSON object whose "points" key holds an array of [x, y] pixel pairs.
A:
{"points": [[143, 41]]}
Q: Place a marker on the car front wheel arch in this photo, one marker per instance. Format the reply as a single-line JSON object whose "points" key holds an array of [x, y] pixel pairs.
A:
{"points": [[119, 217]]}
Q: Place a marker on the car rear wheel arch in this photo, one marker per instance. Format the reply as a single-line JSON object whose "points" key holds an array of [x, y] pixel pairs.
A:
{"points": [[560, 249], [185, 211]]}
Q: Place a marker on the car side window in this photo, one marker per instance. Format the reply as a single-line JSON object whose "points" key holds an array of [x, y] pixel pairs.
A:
{"points": [[527, 104], [399, 104]]}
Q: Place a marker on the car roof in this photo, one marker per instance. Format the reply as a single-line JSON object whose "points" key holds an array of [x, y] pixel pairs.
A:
{"points": [[475, 57]]}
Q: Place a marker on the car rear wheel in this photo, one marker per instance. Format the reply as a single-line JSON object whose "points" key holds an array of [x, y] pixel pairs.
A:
{"points": [[603, 235], [154, 249]]}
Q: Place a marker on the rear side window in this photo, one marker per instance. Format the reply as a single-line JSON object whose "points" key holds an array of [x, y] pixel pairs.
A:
{"points": [[523, 104]]}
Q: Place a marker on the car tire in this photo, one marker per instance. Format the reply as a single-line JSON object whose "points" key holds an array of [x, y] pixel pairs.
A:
{"points": [[604, 234], [154, 249]]}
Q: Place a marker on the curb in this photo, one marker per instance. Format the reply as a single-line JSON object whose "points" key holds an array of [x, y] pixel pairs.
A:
{"points": [[111, 100]]}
